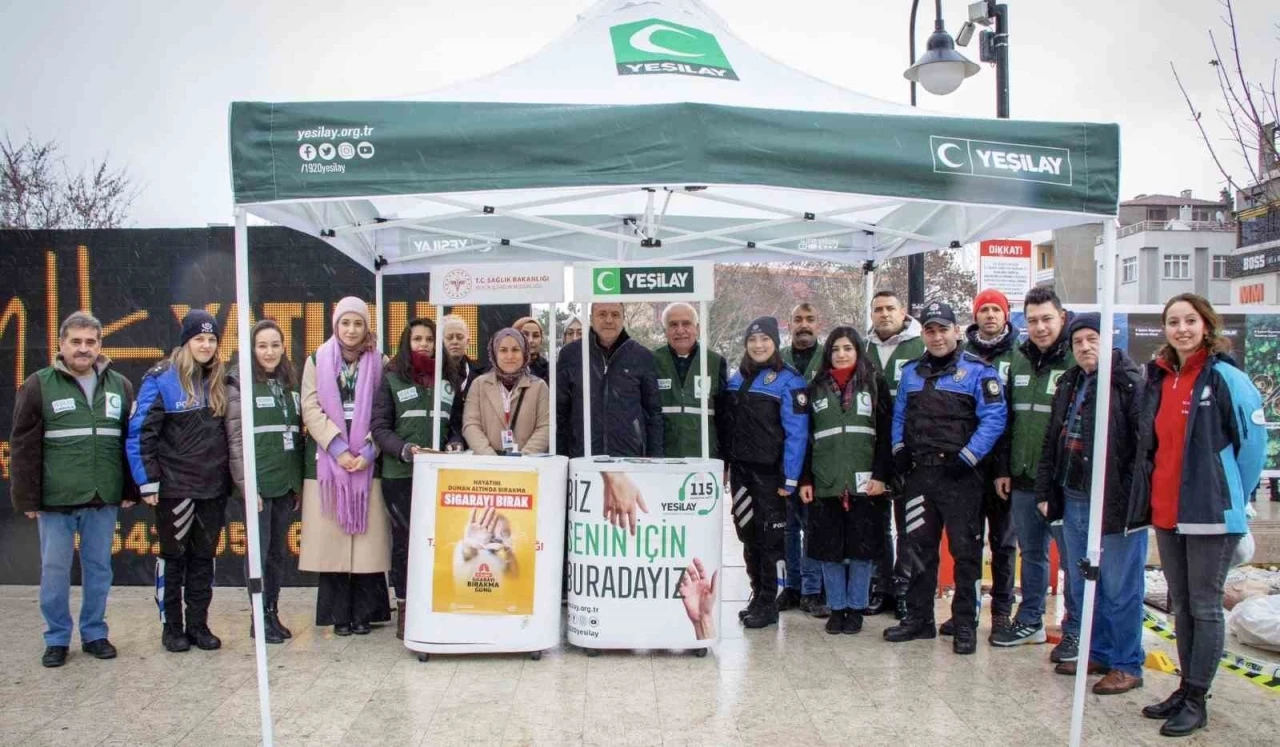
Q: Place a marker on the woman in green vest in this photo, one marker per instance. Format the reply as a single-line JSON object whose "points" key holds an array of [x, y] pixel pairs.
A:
{"points": [[401, 427], [850, 462], [277, 440]]}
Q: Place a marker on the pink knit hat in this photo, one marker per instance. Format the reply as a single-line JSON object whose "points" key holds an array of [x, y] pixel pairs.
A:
{"points": [[350, 305]]}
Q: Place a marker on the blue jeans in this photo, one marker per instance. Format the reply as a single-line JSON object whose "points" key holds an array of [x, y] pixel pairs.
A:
{"points": [[1033, 549], [97, 528], [1117, 610], [804, 574], [848, 583]]}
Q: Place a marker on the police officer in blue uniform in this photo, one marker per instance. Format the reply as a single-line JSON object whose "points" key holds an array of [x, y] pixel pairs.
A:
{"points": [[948, 415], [764, 432]]}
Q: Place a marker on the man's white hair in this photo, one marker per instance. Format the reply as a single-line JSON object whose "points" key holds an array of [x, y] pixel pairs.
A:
{"points": [[679, 305]]}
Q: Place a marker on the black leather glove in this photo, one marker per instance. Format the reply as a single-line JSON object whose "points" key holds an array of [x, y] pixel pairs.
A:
{"points": [[903, 461], [959, 469]]}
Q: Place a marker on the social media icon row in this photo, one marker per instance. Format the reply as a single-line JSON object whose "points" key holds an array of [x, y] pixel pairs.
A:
{"points": [[326, 151]]}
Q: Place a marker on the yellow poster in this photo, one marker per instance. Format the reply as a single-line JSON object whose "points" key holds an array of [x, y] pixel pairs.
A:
{"points": [[486, 532]]}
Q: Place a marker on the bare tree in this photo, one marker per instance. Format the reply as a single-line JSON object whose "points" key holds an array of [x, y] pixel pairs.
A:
{"points": [[38, 190], [1248, 111]]}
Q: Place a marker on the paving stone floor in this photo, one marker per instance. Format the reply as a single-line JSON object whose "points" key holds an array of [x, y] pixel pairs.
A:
{"points": [[790, 685]]}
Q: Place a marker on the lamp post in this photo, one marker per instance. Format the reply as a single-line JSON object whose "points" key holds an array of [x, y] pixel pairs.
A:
{"points": [[940, 70]]}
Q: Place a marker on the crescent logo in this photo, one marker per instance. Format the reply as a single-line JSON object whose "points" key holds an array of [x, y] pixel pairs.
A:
{"points": [[607, 280], [643, 41], [942, 155]]}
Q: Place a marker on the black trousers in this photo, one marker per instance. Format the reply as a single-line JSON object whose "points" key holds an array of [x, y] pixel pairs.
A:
{"points": [[398, 495], [934, 502], [274, 522], [189, 531], [760, 518], [1003, 541], [346, 598]]}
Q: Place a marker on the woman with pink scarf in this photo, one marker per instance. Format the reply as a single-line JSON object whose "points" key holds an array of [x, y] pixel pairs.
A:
{"points": [[346, 534]]}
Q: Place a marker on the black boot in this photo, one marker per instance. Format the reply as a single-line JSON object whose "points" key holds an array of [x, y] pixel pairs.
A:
{"points": [[174, 640], [900, 607], [751, 604], [911, 630], [835, 623], [272, 620], [1166, 708], [273, 635], [966, 639], [764, 615], [1192, 717], [202, 637]]}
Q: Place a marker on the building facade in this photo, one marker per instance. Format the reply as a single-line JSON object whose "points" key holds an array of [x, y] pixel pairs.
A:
{"points": [[1255, 266]]}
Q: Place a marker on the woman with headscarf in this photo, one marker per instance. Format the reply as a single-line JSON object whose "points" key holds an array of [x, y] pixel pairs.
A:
{"points": [[572, 332], [402, 418], [508, 409], [533, 335], [346, 535]]}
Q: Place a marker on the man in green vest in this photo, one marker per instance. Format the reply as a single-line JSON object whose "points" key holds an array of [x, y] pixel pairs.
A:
{"points": [[1033, 378], [68, 472], [803, 586], [992, 338], [680, 392], [893, 341]]}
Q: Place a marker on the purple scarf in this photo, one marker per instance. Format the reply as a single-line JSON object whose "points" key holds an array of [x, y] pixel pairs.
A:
{"points": [[345, 495]]}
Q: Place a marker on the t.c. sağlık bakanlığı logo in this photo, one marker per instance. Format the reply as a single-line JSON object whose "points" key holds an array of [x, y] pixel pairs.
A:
{"points": [[458, 284], [658, 47]]}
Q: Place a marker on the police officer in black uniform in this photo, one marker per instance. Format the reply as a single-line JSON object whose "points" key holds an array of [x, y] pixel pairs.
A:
{"points": [[949, 413]]}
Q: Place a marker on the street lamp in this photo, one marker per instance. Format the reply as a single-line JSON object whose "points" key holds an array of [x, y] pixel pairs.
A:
{"points": [[941, 69]]}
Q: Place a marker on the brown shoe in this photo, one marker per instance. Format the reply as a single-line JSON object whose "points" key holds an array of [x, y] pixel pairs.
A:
{"points": [[400, 607], [1069, 668], [1116, 682]]}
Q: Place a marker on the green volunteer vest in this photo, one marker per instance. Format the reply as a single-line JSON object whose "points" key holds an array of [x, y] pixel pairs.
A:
{"points": [[903, 354], [844, 442], [83, 445], [681, 406], [1001, 363], [815, 362], [277, 441], [413, 420], [1032, 398]]}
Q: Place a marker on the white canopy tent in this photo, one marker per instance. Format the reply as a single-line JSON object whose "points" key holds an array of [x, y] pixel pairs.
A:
{"points": [[650, 132]]}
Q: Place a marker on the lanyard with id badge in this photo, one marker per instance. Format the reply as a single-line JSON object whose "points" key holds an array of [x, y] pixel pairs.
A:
{"points": [[509, 415]]}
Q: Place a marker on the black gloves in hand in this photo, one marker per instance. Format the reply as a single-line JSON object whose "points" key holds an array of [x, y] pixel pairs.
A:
{"points": [[903, 462]]}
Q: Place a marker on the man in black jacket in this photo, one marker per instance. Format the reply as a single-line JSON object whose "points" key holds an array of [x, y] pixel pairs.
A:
{"points": [[626, 412], [1064, 479]]}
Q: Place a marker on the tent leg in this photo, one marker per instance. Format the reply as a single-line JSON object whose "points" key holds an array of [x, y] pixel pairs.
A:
{"points": [[438, 396], [1105, 260], [551, 369], [868, 288], [254, 581], [380, 317], [706, 376], [586, 378]]}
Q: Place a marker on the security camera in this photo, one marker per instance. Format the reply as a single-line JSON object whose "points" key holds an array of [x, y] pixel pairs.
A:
{"points": [[979, 14], [966, 33]]}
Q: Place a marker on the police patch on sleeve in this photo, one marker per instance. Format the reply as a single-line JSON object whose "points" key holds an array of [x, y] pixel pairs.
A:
{"points": [[990, 390], [800, 401]]}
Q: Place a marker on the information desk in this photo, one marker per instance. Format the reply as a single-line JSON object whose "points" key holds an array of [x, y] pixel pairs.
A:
{"points": [[486, 550], [644, 542]]}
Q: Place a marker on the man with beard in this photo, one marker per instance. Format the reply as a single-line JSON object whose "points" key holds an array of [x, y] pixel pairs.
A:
{"points": [[804, 575], [992, 339], [893, 341], [681, 393]]}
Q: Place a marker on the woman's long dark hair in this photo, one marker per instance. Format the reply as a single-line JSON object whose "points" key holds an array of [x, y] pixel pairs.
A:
{"points": [[285, 374], [864, 374], [401, 364]]}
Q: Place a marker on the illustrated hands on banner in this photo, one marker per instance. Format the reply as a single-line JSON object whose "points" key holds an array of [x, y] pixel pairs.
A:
{"points": [[488, 530], [698, 592], [622, 498]]}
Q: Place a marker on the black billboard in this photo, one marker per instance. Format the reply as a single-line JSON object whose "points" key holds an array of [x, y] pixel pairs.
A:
{"points": [[140, 283]]}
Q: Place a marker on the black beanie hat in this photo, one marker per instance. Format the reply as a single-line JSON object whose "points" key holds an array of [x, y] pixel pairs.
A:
{"points": [[198, 322], [765, 324], [1086, 320]]}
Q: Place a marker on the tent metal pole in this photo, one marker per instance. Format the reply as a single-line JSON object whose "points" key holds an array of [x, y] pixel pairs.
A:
{"points": [[585, 349], [1105, 258], [706, 379], [868, 289], [380, 316], [438, 394], [254, 580], [551, 371]]}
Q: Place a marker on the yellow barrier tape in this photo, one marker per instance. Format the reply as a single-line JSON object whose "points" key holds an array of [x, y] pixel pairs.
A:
{"points": [[1261, 673]]}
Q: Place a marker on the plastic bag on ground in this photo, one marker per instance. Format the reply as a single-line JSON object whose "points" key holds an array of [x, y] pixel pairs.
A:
{"points": [[1256, 622]]}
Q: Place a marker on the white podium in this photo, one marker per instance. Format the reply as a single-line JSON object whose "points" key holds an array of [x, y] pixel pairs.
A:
{"points": [[485, 554], [644, 541]]}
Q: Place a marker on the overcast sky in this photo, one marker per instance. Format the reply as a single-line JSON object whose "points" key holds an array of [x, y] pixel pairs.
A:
{"points": [[150, 82]]}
